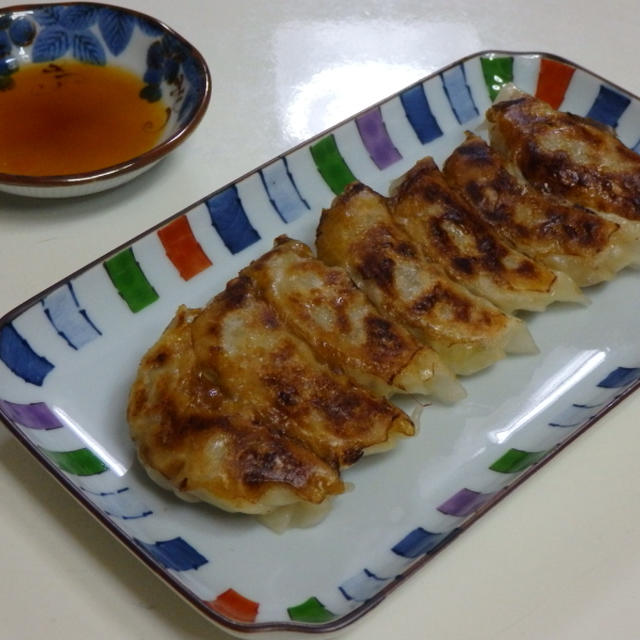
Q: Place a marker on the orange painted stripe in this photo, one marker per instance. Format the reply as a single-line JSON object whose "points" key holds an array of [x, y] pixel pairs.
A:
{"points": [[183, 249], [553, 81], [232, 605]]}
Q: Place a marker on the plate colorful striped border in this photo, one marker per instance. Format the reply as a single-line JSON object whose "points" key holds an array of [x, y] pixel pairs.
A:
{"points": [[68, 357]]}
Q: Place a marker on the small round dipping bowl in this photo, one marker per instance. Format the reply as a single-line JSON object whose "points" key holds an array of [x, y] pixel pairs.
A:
{"points": [[171, 73]]}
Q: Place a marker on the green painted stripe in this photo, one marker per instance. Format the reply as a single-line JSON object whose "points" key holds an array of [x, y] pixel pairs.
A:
{"points": [[130, 281], [497, 72], [311, 610], [80, 462], [516, 460], [331, 164]]}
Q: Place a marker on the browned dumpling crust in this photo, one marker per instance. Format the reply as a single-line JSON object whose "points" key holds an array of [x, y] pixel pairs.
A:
{"points": [[451, 233], [571, 156], [322, 305], [589, 247], [242, 345], [194, 439], [358, 233], [230, 407]]}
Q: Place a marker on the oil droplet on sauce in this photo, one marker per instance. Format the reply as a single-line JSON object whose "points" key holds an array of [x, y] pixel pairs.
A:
{"points": [[71, 117]]}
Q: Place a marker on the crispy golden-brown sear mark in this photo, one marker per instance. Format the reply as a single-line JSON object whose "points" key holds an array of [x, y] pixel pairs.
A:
{"points": [[322, 305], [571, 156], [450, 233], [358, 233], [229, 406], [590, 248], [194, 439], [241, 345]]}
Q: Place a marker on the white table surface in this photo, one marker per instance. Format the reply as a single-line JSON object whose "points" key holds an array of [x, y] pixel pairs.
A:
{"points": [[558, 558]]}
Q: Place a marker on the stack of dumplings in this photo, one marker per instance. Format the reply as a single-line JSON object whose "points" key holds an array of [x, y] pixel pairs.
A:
{"points": [[257, 402]]}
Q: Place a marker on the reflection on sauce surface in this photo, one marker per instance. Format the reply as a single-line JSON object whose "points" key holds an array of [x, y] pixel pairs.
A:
{"points": [[71, 117]]}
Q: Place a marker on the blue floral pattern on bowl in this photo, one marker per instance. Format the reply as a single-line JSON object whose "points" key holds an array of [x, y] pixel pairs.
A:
{"points": [[171, 69]]}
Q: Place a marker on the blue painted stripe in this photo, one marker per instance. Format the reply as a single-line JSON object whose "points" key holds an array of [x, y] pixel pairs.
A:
{"points": [[282, 191], [230, 220], [362, 586], [620, 377], [609, 105], [174, 554], [113, 513], [419, 114], [16, 353], [565, 426], [574, 416], [120, 504], [589, 406], [459, 95], [418, 542], [70, 321]]}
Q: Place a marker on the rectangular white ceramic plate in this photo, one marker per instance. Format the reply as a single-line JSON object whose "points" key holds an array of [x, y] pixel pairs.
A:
{"points": [[68, 357]]}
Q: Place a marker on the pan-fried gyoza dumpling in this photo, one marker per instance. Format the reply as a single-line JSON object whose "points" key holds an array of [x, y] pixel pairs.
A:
{"points": [[193, 439], [568, 155], [322, 305], [450, 233], [588, 247], [242, 346], [358, 233]]}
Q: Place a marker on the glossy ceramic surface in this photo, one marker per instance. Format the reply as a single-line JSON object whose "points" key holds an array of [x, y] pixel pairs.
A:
{"points": [[68, 357], [172, 70]]}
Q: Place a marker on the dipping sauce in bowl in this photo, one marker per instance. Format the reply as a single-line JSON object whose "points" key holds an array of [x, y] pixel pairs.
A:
{"points": [[91, 96], [66, 117]]}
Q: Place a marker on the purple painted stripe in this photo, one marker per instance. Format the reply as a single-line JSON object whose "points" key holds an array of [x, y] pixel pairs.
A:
{"points": [[375, 137], [464, 503], [36, 415]]}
